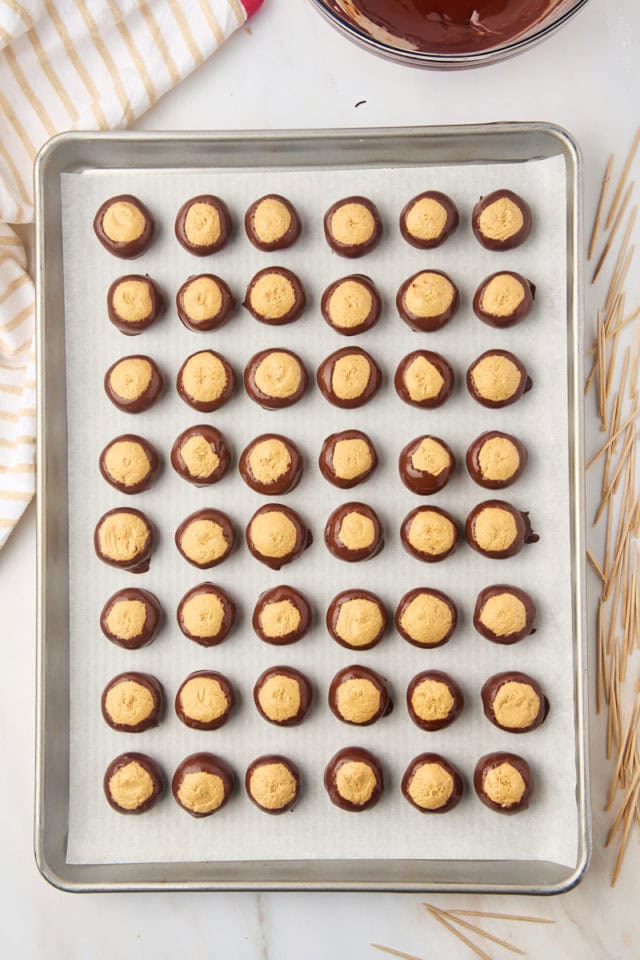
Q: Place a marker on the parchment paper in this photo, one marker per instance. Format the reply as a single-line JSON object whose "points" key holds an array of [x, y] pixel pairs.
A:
{"points": [[316, 828]]}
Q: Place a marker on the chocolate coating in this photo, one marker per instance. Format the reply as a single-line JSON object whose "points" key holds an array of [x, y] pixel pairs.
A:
{"points": [[348, 328], [333, 528], [421, 480], [215, 441], [474, 454], [217, 517], [207, 406], [491, 689], [132, 328], [433, 557], [203, 763], [150, 626], [405, 603], [514, 635], [436, 236], [438, 723], [441, 365], [228, 615], [279, 318], [418, 321], [524, 533], [524, 385], [217, 317], [285, 482], [126, 250], [151, 684], [427, 759], [268, 401], [147, 764], [303, 537], [152, 459], [268, 760], [146, 396], [353, 755], [327, 465], [510, 240], [489, 762], [305, 693], [203, 250], [139, 563], [502, 316], [325, 378], [355, 247], [358, 673], [280, 239], [333, 615], [227, 691], [278, 595]]}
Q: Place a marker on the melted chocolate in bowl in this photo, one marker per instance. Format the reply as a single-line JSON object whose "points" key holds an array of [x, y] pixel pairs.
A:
{"points": [[445, 26]]}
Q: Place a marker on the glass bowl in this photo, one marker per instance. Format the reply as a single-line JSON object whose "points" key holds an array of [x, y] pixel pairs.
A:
{"points": [[384, 44]]}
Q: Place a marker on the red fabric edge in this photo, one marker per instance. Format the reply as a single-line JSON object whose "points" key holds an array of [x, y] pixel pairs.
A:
{"points": [[251, 6]]}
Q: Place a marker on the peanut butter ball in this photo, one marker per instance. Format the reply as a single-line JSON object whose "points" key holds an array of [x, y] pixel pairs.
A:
{"points": [[282, 696], [497, 378], [205, 381], [203, 225], [272, 223], [202, 784], [124, 226], [206, 538], [428, 219], [352, 227], [133, 384], [281, 616], [504, 613], [514, 701], [132, 702], [504, 299], [124, 538], [276, 535], [134, 302], [351, 305], [432, 784], [206, 614], [497, 529], [426, 617], [502, 220], [427, 300], [272, 782], [133, 782], [504, 782], [275, 296], [204, 302], [429, 534], [354, 779], [275, 378]]}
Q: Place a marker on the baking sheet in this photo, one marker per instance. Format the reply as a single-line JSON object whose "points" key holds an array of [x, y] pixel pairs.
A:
{"points": [[317, 829]]}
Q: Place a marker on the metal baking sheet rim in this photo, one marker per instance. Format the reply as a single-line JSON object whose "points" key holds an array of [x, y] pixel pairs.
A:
{"points": [[51, 737]]}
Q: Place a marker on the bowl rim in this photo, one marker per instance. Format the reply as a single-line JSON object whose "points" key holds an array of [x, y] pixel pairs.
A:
{"points": [[427, 58]]}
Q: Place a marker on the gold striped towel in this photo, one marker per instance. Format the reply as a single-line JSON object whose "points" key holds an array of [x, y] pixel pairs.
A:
{"points": [[73, 64]]}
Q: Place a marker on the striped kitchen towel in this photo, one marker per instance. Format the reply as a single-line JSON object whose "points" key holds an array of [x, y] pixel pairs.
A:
{"points": [[73, 64]]}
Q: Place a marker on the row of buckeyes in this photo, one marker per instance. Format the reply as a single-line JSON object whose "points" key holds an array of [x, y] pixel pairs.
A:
{"points": [[354, 780], [356, 619], [133, 702], [277, 378], [273, 464], [125, 226], [351, 305], [276, 535]]}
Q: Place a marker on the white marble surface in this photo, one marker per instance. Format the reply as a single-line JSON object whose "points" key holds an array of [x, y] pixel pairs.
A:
{"points": [[293, 71]]}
